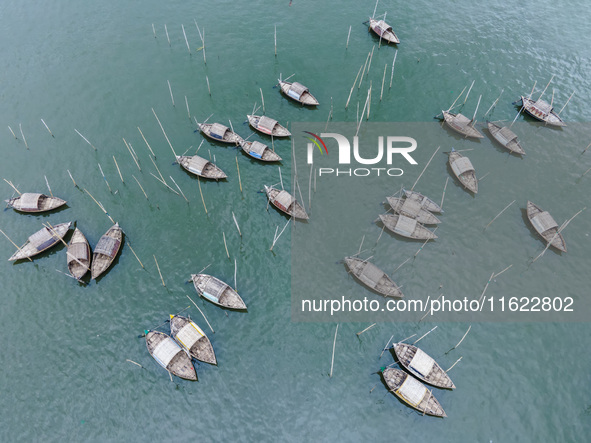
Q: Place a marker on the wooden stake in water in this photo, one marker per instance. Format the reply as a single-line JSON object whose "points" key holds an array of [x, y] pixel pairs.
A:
{"points": [[208, 88], [73, 181], [225, 244], [187, 103], [146, 141], [179, 188], [23, 135], [160, 273], [186, 41], [159, 173], [369, 102], [201, 192], [457, 361], [551, 78], [348, 35], [353, 87], [13, 134], [383, 81], [48, 187], [100, 206], [104, 178], [138, 259], [468, 93], [47, 127], [203, 41], [366, 329], [132, 156], [236, 223], [118, 170], [392, 74], [469, 327], [562, 109], [195, 304], [375, 8], [141, 187], [165, 184], [370, 59], [170, 90], [239, 179], [167, 37], [363, 72], [443, 196], [276, 237], [275, 37], [154, 30], [425, 168], [334, 343], [85, 139], [423, 336], [486, 287], [164, 132], [386, 347], [507, 207], [452, 105], [235, 271], [262, 99]]}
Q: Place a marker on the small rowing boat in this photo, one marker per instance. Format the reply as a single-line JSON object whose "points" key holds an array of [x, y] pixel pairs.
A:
{"points": [[78, 255], [426, 202], [373, 277], [406, 227], [541, 110], [422, 366], [219, 133], [546, 226], [461, 124], [32, 202], [412, 208], [192, 339], [170, 355], [106, 250], [285, 202], [260, 151], [298, 92], [267, 126], [41, 240], [412, 392], [383, 30], [217, 292], [506, 137], [201, 167], [463, 170]]}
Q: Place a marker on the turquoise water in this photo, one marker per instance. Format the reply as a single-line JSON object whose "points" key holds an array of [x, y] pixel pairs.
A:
{"points": [[97, 68]]}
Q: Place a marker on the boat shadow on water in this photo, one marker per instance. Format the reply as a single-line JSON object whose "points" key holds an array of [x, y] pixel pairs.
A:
{"points": [[533, 233]]}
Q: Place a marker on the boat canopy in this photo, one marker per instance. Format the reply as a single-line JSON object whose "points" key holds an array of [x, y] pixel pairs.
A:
{"points": [[77, 252], [284, 199], [214, 287], [267, 124], [257, 149], [218, 131], [412, 390], [296, 90], [462, 165], [107, 246], [543, 221], [422, 363], [166, 350], [405, 225], [197, 164], [30, 200]]}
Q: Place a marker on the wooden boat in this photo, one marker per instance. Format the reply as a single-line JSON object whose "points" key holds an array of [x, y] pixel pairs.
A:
{"points": [[219, 133], [426, 202], [285, 202], [406, 227], [461, 124], [200, 166], [41, 241], [259, 151], [373, 277], [298, 92], [106, 250], [422, 366], [546, 226], [78, 255], [412, 392], [383, 30], [217, 292], [192, 339], [463, 170], [267, 126], [412, 208], [31, 202], [506, 137], [170, 355], [541, 110]]}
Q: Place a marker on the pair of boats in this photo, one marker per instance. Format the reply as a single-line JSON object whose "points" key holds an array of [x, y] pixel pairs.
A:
{"points": [[406, 385], [174, 352], [78, 251], [409, 215]]}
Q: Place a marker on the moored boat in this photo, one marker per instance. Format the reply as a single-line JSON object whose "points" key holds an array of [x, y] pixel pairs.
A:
{"points": [[422, 366], [406, 227], [192, 338], [260, 151], [463, 170], [267, 126], [541, 110], [298, 92], [41, 240], [412, 208], [219, 133], [33, 202], [383, 30], [373, 277], [170, 355], [461, 124], [426, 202], [106, 250], [285, 202], [546, 226], [506, 137], [199, 166], [412, 392], [217, 292], [78, 255]]}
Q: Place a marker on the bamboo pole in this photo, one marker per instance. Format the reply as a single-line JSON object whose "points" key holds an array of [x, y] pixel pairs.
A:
{"points": [[383, 80], [443, 195], [486, 287], [386, 347], [203, 42], [165, 184], [195, 304], [369, 103], [104, 178], [186, 41], [160, 273], [187, 103], [132, 155], [159, 173], [146, 141], [495, 102], [374, 9], [12, 186], [171, 96], [423, 336], [235, 272], [47, 127], [118, 170], [507, 207], [353, 87], [179, 188], [100, 206], [48, 187], [507, 268], [225, 244], [8, 238], [366, 329], [532, 89], [585, 173], [363, 72], [348, 35], [584, 150], [275, 38], [457, 361], [167, 37], [469, 327], [562, 227], [262, 99], [73, 181], [131, 361], [20, 126], [370, 59], [85, 139], [276, 238], [200, 192], [138, 259], [12, 132], [452, 105], [476, 110], [208, 88], [400, 265], [334, 343], [423, 245], [154, 30], [425, 168], [571, 96], [551, 78], [239, 179], [164, 132], [468, 93], [428, 312], [141, 187], [236, 222], [392, 74], [362, 113]]}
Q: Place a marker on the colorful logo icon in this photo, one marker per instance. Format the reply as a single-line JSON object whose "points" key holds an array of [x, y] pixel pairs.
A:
{"points": [[318, 139]]}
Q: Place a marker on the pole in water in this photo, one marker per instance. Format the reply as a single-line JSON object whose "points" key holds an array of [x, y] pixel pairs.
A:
{"points": [[239, 179], [208, 88], [419, 339], [393, 63], [23, 135], [118, 170], [201, 192], [12, 132], [164, 132], [262, 99], [105, 178], [348, 35], [138, 259], [236, 222], [187, 103], [132, 156], [47, 127], [85, 139], [497, 216], [366, 329], [141, 187], [225, 244], [468, 93], [73, 181], [8, 238], [167, 37], [160, 273], [48, 187], [275, 41], [170, 90], [353, 87], [208, 324], [334, 343], [179, 188], [383, 81], [148, 144], [154, 30], [186, 41]]}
